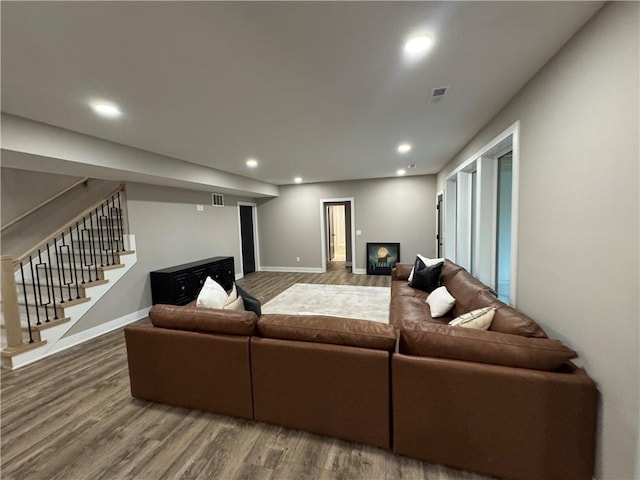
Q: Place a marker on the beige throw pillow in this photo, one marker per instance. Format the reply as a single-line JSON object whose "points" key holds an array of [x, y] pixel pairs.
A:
{"points": [[440, 302], [479, 319], [234, 302]]}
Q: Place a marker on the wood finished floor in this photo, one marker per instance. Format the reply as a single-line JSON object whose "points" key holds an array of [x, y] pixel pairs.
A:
{"points": [[71, 416]]}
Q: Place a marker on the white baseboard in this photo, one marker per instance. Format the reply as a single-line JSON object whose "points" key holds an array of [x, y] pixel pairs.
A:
{"points": [[293, 269], [85, 335], [239, 276], [360, 271]]}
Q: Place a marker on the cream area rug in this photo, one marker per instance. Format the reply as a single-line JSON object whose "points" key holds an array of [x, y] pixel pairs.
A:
{"points": [[367, 303]]}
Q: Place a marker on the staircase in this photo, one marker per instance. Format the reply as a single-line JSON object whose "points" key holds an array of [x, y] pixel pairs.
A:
{"points": [[48, 289]]}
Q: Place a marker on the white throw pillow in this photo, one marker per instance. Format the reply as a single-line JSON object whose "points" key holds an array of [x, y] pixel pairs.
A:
{"points": [[212, 295], [440, 302], [479, 319], [429, 262]]}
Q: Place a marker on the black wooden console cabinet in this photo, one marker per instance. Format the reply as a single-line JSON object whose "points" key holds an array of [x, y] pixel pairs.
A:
{"points": [[181, 284]]}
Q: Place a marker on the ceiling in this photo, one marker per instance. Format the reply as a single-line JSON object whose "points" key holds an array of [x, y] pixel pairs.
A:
{"points": [[319, 90]]}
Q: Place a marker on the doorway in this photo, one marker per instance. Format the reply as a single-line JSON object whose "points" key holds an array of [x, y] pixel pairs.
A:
{"points": [[439, 236], [248, 237], [337, 235]]}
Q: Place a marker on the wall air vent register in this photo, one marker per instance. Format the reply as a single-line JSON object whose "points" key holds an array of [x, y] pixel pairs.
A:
{"points": [[217, 200]]}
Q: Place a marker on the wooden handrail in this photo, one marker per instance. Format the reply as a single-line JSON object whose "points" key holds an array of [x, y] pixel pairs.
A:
{"points": [[22, 257], [46, 202]]}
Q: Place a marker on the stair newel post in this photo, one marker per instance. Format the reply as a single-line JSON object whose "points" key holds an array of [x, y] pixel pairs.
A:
{"points": [[75, 268], [10, 309], [34, 280], [83, 254], [26, 304]]}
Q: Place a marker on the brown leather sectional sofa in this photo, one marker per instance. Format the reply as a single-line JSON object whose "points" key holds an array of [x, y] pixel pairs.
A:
{"points": [[505, 402]]}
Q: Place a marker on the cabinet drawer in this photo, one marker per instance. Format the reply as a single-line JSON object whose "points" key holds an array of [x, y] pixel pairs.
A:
{"points": [[181, 288]]}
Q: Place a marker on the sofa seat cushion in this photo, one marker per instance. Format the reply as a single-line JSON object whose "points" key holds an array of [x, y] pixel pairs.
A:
{"points": [[444, 341], [407, 310], [326, 329], [400, 288], [199, 319], [508, 319]]}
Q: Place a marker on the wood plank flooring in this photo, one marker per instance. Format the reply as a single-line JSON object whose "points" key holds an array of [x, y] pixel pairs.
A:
{"points": [[72, 416]]}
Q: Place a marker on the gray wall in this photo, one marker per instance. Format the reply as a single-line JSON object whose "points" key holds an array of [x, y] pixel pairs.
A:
{"points": [[169, 231], [386, 210], [578, 224], [23, 190]]}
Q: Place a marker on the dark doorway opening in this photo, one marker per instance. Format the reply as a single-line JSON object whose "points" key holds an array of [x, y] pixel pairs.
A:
{"points": [[247, 239]]}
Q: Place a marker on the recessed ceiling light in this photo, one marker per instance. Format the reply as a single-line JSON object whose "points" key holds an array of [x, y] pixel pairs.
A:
{"points": [[418, 44], [404, 148], [109, 110], [298, 179], [252, 163], [401, 172]]}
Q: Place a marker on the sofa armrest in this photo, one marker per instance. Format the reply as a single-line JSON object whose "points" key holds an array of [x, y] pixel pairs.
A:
{"points": [[192, 370], [401, 271], [502, 421]]}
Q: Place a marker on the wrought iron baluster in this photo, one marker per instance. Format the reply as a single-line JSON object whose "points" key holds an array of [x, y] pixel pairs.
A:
{"points": [[99, 237], [64, 276], [35, 296], [52, 295], [120, 223], [59, 268], [75, 268], [44, 265], [83, 254], [26, 303]]}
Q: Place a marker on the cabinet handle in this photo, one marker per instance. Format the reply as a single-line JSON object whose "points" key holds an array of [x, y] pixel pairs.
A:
{"points": [[182, 288]]}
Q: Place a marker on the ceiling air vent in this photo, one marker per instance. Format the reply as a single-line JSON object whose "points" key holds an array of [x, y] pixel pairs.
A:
{"points": [[217, 200], [437, 94]]}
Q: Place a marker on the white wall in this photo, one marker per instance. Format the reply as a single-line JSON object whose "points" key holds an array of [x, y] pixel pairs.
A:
{"points": [[169, 231], [386, 210], [578, 239]]}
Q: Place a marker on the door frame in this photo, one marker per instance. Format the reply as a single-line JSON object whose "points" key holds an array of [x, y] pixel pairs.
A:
{"points": [[440, 218], [256, 242], [323, 232]]}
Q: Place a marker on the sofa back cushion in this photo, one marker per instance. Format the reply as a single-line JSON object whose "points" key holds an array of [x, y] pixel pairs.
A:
{"points": [[455, 343], [449, 269], [331, 330], [464, 288], [200, 319], [506, 318]]}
